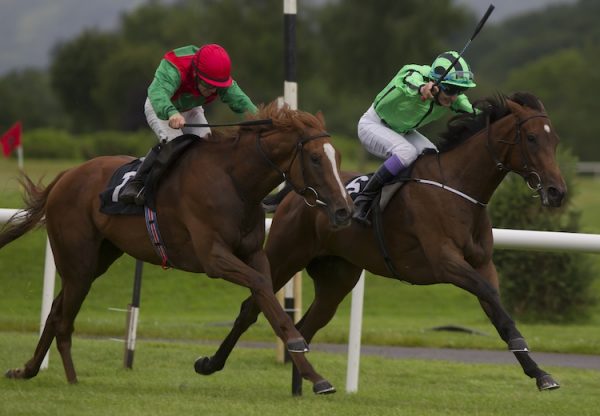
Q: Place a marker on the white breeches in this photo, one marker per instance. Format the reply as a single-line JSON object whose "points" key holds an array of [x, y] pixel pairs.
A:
{"points": [[165, 133], [382, 141]]}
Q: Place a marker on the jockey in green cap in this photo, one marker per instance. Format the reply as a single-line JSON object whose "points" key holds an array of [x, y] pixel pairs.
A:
{"points": [[410, 100]]}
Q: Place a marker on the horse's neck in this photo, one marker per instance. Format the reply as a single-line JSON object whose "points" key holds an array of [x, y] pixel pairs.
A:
{"points": [[254, 172], [471, 168]]}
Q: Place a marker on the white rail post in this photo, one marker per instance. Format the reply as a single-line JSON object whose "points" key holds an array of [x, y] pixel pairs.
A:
{"points": [[47, 294], [356, 313]]}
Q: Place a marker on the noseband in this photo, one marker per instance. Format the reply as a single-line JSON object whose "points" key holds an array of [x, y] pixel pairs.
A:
{"points": [[299, 148], [531, 177]]}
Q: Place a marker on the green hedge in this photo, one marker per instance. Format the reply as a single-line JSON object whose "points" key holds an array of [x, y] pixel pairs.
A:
{"points": [[60, 144], [541, 286]]}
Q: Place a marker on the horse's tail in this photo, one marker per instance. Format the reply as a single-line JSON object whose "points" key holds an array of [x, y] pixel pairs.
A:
{"points": [[35, 198]]}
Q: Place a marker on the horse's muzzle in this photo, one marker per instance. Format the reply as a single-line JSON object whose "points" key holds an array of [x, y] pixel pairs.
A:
{"points": [[342, 218], [553, 196]]}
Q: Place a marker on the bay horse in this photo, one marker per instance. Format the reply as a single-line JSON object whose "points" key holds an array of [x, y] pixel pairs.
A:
{"points": [[210, 217], [436, 227]]}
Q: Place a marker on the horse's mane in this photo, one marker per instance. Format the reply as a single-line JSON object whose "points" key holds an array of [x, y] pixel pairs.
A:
{"points": [[463, 126], [282, 116]]}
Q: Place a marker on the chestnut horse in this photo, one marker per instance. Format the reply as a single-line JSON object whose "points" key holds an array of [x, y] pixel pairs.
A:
{"points": [[434, 234], [210, 217]]}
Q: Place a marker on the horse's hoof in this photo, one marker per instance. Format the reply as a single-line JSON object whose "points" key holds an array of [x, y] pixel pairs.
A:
{"points": [[11, 373], [297, 345], [323, 387], [546, 382], [14, 373], [518, 345], [202, 366]]}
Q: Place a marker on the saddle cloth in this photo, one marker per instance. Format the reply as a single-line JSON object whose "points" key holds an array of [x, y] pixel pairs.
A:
{"points": [[109, 198], [358, 183], [169, 153]]}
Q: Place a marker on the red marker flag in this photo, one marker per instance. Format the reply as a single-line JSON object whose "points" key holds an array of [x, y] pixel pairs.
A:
{"points": [[11, 139]]}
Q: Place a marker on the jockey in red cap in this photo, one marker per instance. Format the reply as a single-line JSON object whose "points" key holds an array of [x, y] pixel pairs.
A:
{"points": [[186, 79]]}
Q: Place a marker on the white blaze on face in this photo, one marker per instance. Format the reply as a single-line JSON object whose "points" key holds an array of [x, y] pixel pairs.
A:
{"points": [[546, 128], [330, 152]]}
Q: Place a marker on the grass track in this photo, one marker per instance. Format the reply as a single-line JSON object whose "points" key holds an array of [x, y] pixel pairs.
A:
{"points": [[163, 383]]}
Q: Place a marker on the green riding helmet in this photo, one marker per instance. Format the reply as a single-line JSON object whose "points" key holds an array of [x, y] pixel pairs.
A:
{"points": [[460, 75]]}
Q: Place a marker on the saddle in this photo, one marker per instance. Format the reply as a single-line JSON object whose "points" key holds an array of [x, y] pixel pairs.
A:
{"points": [[168, 154], [355, 186]]}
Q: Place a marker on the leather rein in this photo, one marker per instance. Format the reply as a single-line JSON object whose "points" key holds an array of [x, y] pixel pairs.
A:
{"points": [[285, 174], [531, 176]]}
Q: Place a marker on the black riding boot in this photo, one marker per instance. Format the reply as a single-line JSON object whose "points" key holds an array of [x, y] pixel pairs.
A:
{"points": [[133, 191], [363, 202]]}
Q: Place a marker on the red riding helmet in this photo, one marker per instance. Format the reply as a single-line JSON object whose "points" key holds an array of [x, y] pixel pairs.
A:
{"points": [[213, 66]]}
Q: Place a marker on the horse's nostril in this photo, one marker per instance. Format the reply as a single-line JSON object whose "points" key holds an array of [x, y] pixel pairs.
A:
{"points": [[342, 215], [555, 196]]}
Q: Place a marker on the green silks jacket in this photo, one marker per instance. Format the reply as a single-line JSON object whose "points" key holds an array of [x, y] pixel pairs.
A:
{"points": [[174, 89], [400, 106]]}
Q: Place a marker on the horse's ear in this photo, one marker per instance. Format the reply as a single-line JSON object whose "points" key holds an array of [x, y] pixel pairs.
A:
{"points": [[321, 117], [542, 107], [515, 108]]}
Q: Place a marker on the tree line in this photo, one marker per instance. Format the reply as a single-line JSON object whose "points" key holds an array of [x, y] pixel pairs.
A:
{"points": [[347, 51]]}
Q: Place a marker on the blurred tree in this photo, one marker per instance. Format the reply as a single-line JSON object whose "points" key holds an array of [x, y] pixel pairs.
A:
{"points": [[27, 96], [75, 74], [526, 38], [123, 80], [557, 80]]}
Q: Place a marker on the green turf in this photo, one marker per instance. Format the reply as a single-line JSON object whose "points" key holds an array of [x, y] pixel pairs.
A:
{"points": [[163, 382]]}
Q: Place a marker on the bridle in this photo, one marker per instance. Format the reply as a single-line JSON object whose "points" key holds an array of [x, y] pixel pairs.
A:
{"points": [[285, 174], [530, 175]]}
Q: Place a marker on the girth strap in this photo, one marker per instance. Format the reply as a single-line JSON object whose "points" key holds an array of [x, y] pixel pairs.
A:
{"points": [[155, 238], [378, 229]]}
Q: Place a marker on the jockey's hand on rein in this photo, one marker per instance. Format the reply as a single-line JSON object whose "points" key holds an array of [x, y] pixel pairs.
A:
{"points": [[176, 121]]}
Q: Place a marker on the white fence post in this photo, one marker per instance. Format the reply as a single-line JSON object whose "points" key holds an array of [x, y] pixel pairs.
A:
{"points": [[356, 313]]}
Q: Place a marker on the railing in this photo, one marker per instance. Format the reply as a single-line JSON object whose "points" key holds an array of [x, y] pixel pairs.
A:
{"points": [[503, 239]]}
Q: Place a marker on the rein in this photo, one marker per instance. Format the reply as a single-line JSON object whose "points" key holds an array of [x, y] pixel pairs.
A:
{"points": [[526, 173], [299, 149]]}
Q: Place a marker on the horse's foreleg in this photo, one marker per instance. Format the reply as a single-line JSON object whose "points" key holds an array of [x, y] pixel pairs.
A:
{"points": [[517, 344], [334, 278], [483, 283], [224, 264]]}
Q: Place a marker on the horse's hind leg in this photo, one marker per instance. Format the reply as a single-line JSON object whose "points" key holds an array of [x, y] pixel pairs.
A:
{"points": [[78, 276], [65, 306], [248, 315], [32, 367]]}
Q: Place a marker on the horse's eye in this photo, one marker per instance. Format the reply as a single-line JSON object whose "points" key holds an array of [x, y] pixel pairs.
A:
{"points": [[532, 138], [315, 158]]}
